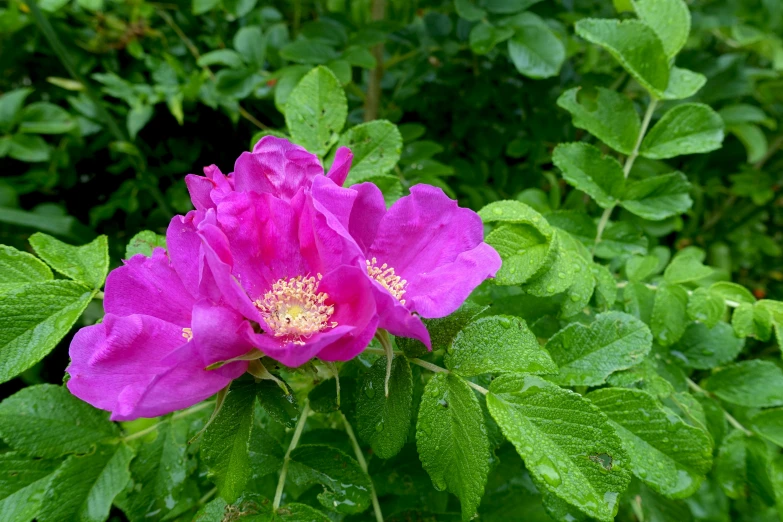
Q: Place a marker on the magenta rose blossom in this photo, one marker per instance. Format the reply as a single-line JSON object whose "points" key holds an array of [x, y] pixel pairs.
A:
{"points": [[149, 355], [282, 265]]}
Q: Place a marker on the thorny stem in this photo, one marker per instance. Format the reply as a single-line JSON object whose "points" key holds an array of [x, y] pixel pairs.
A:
{"points": [[179, 415], [729, 417], [363, 464], [431, 367], [291, 447], [629, 161]]}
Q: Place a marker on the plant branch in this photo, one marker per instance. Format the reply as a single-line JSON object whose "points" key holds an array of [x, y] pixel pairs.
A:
{"points": [[363, 464], [431, 367], [729, 417], [291, 447]]}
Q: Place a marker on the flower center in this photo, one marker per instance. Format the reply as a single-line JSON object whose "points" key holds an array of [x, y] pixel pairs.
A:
{"points": [[387, 278], [187, 333], [295, 309]]}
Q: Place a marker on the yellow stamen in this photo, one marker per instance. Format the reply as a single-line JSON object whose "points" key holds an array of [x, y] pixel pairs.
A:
{"points": [[187, 333], [295, 309], [387, 278]]}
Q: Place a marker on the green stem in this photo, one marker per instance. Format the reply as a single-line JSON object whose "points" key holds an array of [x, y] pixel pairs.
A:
{"points": [[363, 464], [291, 447], [431, 367], [602, 224], [729, 417], [383, 338], [178, 415]]}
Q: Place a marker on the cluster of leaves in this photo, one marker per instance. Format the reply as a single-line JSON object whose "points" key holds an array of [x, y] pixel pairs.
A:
{"points": [[611, 369]]}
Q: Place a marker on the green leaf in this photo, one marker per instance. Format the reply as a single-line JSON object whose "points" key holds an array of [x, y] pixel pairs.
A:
{"points": [[34, 318], [754, 383], [578, 295], [44, 118], [567, 444], [559, 268], [683, 84], [534, 49], [689, 128], [47, 421], [610, 117], [29, 148], [347, 487], [485, 36], [635, 46], [11, 103], [514, 349], [523, 249], [752, 138], [84, 487], [639, 268], [88, 264], [308, 52], [605, 286], [442, 331], [587, 355], [452, 441], [252, 507], [144, 243], [706, 307], [600, 177], [669, 315], [376, 148], [670, 19], [227, 57], [316, 110], [469, 11], [23, 482], [658, 197], [685, 269], [158, 472], [250, 43], [281, 407], [769, 424], [226, 441], [19, 268], [383, 421], [360, 57], [139, 115], [202, 6], [667, 454], [741, 468]]}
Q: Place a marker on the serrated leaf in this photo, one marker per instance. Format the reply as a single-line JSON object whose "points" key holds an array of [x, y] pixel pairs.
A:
{"points": [[659, 197], [610, 117], [683, 83], [452, 441], [685, 269], [250, 43], [316, 110], [578, 295], [534, 49], [605, 286], [621, 237], [741, 468], [706, 307], [19, 268], [23, 482], [587, 355], [281, 407], [252, 507], [754, 383], [583, 166], [567, 444], [144, 243], [669, 314], [497, 344], [227, 57], [226, 441], [769, 424], [34, 318], [47, 421], [383, 421], [484, 37], [690, 128], [639, 268], [665, 453], [347, 487], [557, 274], [84, 487], [442, 331], [523, 249], [88, 263], [376, 148], [634, 45], [670, 19]]}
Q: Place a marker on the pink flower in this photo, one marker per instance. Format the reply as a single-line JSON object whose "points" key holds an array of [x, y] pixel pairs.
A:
{"points": [[425, 255], [149, 355], [283, 265]]}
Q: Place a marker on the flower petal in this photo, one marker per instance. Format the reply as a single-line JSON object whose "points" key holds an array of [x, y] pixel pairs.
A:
{"points": [[184, 246], [366, 216], [341, 165], [149, 286], [397, 318], [276, 166]]}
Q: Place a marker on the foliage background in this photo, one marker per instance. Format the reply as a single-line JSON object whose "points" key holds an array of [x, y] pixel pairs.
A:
{"points": [[191, 84]]}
